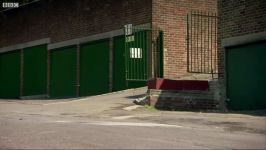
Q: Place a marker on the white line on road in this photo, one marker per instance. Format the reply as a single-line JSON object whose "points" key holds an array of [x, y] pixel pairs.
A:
{"points": [[134, 124], [104, 123], [129, 108], [132, 116], [122, 117]]}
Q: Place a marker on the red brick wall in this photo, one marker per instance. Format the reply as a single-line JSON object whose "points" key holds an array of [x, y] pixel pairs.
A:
{"points": [[239, 17], [64, 20], [73, 19], [170, 16]]}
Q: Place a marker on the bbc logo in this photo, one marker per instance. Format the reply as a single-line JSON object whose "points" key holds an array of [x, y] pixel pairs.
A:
{"points": [[10, 5]]}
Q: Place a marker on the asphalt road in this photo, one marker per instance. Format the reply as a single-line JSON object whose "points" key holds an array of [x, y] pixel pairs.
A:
{"points": [[102, 123]]}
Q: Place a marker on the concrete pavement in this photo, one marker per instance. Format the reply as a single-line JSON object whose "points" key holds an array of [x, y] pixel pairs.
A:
{"points": [[101, 122]]}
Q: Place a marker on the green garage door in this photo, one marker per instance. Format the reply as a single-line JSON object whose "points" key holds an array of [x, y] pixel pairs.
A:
{"points": [[246, 76], [94, 68], [10, 74], [63, 72], [119, 73], [35, 66]]}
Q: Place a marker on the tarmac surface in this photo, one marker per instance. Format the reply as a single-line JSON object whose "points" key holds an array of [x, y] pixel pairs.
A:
{"points": [[112, 121]]}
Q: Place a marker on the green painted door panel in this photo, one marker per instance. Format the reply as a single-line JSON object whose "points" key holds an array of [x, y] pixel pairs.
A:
{"points": [[10, 74], [119, 72], [35, 68], [136, 56], [246, 80], [136, 84], [137, 67], [63, 72], [94, 68]]}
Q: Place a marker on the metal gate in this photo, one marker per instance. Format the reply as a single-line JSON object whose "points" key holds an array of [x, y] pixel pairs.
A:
{"points": [[202, 42], [143, 53]]}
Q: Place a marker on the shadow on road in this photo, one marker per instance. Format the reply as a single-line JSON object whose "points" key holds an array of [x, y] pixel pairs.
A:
{"points": [[136, 96]]}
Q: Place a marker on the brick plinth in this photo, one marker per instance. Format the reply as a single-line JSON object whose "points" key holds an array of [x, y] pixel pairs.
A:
{"points": [[182, 100], [184, 95]]}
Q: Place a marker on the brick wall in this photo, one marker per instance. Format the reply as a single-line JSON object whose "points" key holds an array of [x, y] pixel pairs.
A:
{"points": [[239, 17], [184, 100], [187, 95], [64, 20], [170, 16], [73, 19]]}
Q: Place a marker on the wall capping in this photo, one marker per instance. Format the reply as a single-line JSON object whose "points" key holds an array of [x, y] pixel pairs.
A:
{"points": [[75, 41], [244, 39], [25, 45], [90, 38], [86, 39]]}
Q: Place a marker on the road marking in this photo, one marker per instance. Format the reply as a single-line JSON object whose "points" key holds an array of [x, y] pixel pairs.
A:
{"points": [[135, 124], [131, 116], [123, 117], [129, 108]]}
